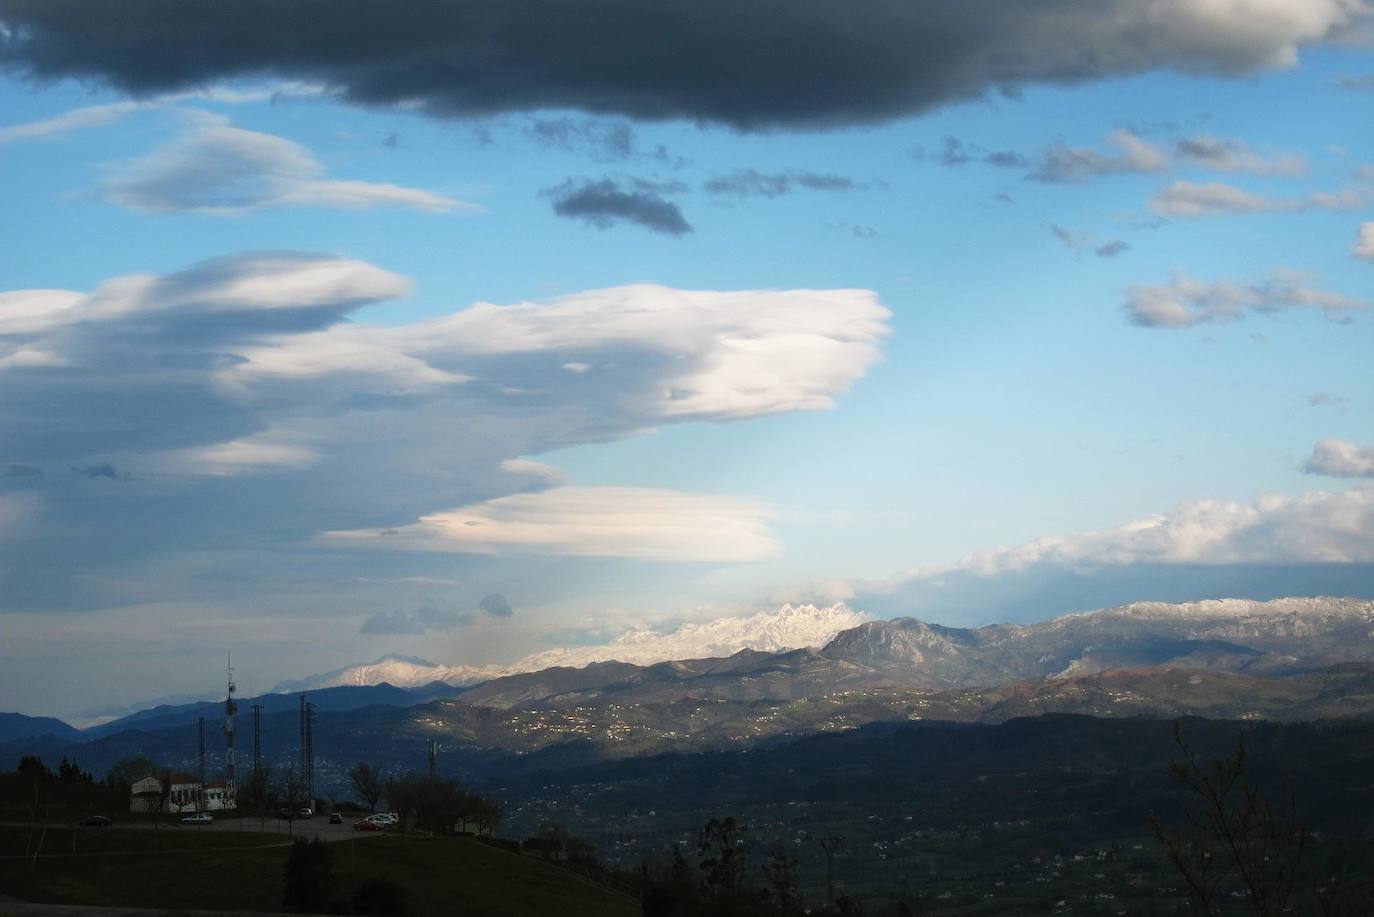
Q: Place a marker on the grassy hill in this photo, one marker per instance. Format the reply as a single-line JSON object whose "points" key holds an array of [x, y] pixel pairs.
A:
{"points": [[227, 871]]}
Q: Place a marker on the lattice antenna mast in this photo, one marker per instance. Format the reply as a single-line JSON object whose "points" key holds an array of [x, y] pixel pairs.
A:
{"points": [[257, 739], [433, 758], [231, 708], [200, 735], [308, 749]]}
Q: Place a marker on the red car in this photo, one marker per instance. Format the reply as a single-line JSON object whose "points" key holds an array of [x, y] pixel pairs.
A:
{"points": [[366, 825]]}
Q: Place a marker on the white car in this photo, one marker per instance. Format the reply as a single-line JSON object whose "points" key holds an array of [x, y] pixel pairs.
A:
{"points": [[201, 818], [385, 819]]}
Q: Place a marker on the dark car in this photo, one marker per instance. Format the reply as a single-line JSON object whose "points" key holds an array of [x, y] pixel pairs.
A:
{"points": [[368, 824], [94, 821], [335, 818]]}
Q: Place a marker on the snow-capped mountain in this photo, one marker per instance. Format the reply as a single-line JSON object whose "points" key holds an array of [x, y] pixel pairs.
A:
{"points": [[790, 627], [399, 671]]}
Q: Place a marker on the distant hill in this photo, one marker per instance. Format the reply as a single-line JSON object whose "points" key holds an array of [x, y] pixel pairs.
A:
{"points": [[17, 726]]}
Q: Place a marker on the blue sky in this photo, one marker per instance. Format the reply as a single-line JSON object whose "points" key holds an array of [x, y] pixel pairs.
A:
{"points": [[1153, 304]]}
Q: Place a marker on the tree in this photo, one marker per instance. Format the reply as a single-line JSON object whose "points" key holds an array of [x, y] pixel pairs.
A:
{"points": [[1233, 836], [721, 854], [131, 770], [367, 780], [256, 792], [292, 795], [780, 871], [309, 876]]}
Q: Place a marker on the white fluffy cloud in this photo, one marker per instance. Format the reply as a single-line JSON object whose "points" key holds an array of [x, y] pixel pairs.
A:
{"points": [[634, 522], [1364, 242], [220, 169], [1191, 199], [1130, 153], [1184, 302], [243, 376], [1339, 458], [715, 355]]}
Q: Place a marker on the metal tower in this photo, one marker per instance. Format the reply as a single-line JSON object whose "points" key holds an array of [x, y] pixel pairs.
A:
{"points": [[200, 734], [231, 707], [308, 749], [433, 758], [257, 739]]}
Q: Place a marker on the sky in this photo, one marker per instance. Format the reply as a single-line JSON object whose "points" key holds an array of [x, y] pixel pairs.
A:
{"points": [[335, 330]]}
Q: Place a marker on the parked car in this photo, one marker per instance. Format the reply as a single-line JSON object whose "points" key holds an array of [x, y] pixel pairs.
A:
{"points": [[390, 819], [335, 818], [284, 813], [200, 818], [95, 821], [368, 824], [304, 812]]}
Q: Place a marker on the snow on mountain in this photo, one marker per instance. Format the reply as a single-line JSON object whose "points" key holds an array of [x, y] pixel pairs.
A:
{"points": [[790, 627], [399, 671]]}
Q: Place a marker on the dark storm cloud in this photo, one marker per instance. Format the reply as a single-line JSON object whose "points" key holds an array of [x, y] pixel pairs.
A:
{"points": [[604, 203], [101, 470], [422, 620], [17, 470], [753, 183], [496, 606], [752, 65]]}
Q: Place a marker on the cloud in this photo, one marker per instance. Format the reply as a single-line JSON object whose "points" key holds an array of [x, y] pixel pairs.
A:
{"points": [[602, 139], [753, 183], [1364, 242], [1357, 83], [955, 152], [1086, 241], [529, 468], [423, 620], [1337, 458], [496, 606], [1184, 302], [604, 203], [76, 119], [102, 470], [1225, 155], [20, 470], [636, 522], [821, 64], [1308, 544], [1326, 399], [1190, 199], [1076, 164], [219, 169], [254, 414], [16, 511]]}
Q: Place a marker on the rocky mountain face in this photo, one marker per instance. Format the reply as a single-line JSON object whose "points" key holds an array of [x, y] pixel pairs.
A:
{"points": [[1281, 637]]}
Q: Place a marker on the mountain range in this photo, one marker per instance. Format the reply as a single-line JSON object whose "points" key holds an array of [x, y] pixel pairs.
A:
{"points": [[1288, 660]]}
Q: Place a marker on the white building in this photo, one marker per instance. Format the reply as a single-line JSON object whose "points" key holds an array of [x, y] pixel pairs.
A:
{"points": [[185, 794]]}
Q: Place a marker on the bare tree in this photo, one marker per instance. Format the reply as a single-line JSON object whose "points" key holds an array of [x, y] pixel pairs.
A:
{"points": [[1233, 837], [367, 780]]}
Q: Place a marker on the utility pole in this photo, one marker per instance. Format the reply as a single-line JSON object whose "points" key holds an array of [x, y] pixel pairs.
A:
{"points": [[830, 845], [433, 759]]}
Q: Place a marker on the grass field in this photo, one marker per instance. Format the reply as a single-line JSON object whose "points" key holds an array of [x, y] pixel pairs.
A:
{"points": [[229, 871]]}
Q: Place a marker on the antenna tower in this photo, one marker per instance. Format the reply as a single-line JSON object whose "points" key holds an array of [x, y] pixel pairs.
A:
{"points": [[308, 749], [433, 758], [231, 707], [200, 734], [257, 739]]}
